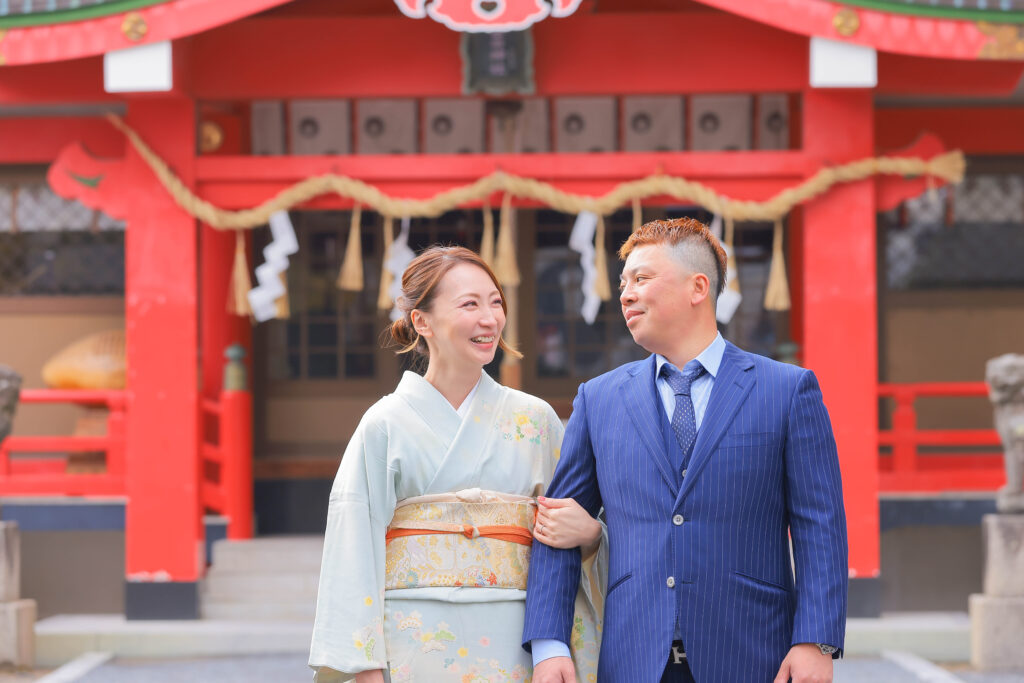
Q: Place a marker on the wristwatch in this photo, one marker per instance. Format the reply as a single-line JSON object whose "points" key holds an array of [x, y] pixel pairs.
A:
{"points": [[827, 649]]}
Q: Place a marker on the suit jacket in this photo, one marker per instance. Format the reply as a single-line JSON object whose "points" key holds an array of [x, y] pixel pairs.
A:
{"points": [[764, 467]]}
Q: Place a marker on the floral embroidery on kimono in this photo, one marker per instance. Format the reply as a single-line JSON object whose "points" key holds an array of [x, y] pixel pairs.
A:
{"points": [[441, 607]]}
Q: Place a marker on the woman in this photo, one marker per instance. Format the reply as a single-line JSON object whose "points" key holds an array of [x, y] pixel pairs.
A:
{"points": [[431, 515]]}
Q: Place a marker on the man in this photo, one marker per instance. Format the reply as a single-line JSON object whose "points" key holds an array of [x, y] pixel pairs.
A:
{"points": [[706, 459]]}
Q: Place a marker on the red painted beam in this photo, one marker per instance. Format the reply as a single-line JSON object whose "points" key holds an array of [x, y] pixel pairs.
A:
{"points": [[63, 485], [40, 140], [910, 75], [938, 482], [975, 130], [625, 166], [80, 80], [248, 194], [77, 396], [241, 182], [373, 56], [668, 52], [55, 444]]}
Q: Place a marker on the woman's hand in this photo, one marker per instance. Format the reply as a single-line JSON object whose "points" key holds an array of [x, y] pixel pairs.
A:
{"points": [[563, 523], [372, 676]]}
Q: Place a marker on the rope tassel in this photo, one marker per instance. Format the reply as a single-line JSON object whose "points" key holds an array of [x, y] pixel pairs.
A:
{"points": [[638, 214], [241, 282], [281, 305], [487, 241], [350, 278], [505, 266], [384, 302], [776, 293], [602, 287], [730, 266]]}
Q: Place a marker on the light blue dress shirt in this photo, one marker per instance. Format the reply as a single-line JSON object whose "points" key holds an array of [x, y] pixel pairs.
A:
{"points": [[700, 392]]}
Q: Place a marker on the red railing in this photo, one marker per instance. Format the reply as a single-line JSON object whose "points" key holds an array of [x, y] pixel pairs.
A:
{"points": [[40, 468], [226, 460], [906, 469]]}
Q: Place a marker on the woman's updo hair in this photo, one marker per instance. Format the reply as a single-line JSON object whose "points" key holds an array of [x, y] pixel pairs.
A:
{"points": [[419, 289]]}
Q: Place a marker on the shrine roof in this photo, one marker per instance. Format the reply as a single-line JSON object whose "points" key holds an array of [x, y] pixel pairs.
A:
{"points": [[16, 13], [999, 11], [33, 31]]}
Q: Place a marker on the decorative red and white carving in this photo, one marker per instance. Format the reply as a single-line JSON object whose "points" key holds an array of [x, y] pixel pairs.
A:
{"points": [[487, 16]]}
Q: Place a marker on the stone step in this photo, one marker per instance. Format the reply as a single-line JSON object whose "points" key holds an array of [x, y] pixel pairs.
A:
{"points": [[287, 554], [221, 586], [286, 611], [59, 639]]}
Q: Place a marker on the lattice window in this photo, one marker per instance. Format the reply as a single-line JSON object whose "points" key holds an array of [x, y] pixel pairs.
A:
{"points": [[51, 246], [331, 334], [563, 350], [565, 347], [969, 236]]}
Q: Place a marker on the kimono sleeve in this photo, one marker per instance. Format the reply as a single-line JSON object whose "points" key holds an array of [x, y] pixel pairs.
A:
{"points": [[348, 634]]}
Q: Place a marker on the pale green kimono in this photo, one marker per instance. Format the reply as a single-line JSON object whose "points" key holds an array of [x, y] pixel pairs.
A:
{"points": [[413, 443]]}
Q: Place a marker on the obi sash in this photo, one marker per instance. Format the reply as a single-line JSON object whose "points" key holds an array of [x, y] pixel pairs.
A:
{"points": [[469, 538]]}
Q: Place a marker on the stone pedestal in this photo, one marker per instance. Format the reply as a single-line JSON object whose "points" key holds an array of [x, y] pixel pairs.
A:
{"points": [[17, 633], [1004, 555], [10, 562], [997, 616], [17, 617]]}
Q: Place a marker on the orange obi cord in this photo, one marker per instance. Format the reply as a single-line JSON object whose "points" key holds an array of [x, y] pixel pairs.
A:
{"points": [[501, 532]]}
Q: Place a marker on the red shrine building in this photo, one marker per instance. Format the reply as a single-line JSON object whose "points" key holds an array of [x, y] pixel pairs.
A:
{"points": [[900, 288]]}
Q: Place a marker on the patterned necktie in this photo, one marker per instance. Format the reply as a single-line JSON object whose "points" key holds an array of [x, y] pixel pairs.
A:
{"points": [[684, 421]]}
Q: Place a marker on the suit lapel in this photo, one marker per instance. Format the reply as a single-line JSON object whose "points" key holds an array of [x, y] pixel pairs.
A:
{"points": [[731, 387], [642, 403]]}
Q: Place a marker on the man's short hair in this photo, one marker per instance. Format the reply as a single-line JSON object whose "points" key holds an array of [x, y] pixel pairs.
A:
{"points": [[699, 250]]}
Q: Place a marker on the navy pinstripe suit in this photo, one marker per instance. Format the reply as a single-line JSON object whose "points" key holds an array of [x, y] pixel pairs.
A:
{"points": [[764, 466]]}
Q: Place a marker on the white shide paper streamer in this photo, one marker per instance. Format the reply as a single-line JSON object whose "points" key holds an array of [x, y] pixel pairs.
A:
{"points": [[268, 274], [730, 299], [398, 258], [582, 240]]}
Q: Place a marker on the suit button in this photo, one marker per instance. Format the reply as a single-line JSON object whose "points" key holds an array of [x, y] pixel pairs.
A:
{"points": [[678, 520], [670, 582]]}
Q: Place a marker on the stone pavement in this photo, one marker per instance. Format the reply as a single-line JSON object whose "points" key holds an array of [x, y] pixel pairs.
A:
{"points": [[292, 669]]}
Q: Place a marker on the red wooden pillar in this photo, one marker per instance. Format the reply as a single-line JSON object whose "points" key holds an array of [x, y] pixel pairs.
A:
{"points": [[163, 532], [840, 319]]}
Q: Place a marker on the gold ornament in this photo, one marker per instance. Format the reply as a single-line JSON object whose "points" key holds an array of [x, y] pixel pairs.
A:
{"points": [[134, 26], [846, 22], [211, 136], [3, 33], [1006, 41]]}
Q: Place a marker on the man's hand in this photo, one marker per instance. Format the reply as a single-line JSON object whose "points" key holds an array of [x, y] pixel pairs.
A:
{"points": [[805, 664], [555, 670]]}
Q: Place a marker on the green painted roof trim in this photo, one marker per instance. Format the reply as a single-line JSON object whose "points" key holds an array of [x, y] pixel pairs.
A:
{"points": [[61, 16], [995, 15]]}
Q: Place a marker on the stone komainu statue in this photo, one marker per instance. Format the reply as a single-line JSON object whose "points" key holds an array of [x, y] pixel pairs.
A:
{"points": [[1005, 377], [10, 389]]}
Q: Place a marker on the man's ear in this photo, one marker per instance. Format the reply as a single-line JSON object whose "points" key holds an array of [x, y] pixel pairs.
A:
{"points": [[701, 288], [420, 324]]}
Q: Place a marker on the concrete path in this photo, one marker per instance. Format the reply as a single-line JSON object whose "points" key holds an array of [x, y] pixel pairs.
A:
{"points": [[292, 669]]}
